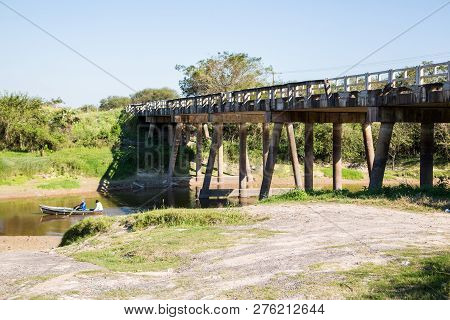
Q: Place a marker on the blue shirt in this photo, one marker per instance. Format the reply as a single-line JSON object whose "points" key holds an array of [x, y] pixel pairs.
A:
{"points": [[83, 206]]}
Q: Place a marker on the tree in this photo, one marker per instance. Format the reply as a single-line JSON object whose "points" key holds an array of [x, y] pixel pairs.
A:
{"points": [[404, 136], [150, 94], [114, 102], [87, 108], [221, 73]]}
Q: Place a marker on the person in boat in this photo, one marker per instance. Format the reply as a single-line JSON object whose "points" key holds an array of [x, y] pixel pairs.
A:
{"points": [[81, 206], [98, 206]]}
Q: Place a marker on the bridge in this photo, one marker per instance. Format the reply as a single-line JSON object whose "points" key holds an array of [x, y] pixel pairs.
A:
{"points": [[418, 94]]}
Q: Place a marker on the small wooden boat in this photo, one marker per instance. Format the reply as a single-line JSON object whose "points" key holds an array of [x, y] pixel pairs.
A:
{"points": [[65, 211]]}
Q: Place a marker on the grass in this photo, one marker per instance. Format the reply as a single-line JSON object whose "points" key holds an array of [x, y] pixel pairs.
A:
{"points": [[156, 240], [120, 294], [402, 197], [14, 181], [184, 217], [349, 174], [153, 250], [86, 228], [92, 162], [60, 183], [409, 277]]}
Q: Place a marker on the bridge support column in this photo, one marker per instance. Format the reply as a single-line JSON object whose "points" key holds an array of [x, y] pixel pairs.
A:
{"points": [[174, 151], [426, 154], [381, 155], [243, 159], [219, 129], [170, 132], [204, 192], [265, 142], [337, 156], [206, 129], [249, 170], [294, 155], [309, 156], [368, 145], [271, 160], [198, 154]]}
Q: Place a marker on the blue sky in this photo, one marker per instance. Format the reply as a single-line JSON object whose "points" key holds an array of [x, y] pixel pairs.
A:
{"points": [[140, 42]]}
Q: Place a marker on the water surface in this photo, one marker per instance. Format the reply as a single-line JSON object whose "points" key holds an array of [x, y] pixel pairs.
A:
{"points": [[23, 216]]}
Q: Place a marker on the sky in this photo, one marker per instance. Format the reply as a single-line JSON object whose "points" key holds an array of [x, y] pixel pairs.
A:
{"points": [[140, 42]]}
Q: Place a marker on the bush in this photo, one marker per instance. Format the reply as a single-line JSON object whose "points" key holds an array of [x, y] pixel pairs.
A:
{"points": [[86, 228]]}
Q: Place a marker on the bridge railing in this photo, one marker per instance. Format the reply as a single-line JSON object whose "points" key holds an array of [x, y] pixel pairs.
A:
{"points": [[289, 95]]}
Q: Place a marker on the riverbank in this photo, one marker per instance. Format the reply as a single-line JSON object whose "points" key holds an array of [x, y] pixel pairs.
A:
{"points": [[276, 251]]}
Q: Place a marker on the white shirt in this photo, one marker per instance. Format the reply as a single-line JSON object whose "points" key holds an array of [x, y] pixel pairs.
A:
{"points": [[98, 206]]}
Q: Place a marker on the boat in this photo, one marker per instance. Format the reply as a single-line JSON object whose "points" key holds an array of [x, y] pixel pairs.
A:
{"points": [[64, 211]]}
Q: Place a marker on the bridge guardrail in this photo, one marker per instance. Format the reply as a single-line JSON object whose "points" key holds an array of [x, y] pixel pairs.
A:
{"points": [[314, 93]]}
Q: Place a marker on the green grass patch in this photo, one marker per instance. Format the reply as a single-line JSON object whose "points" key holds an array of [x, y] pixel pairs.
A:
{"points": [[14, 181], [158, 239], [92, 162], [87, 227], [402, 197], [408, 277], [60, 183], [120, 294], [154, 250], [349, 174], [185, 217]]}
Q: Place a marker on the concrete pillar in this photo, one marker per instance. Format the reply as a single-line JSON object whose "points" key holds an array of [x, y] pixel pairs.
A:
{"points": [[266, 142], [219, 129], [249, 169], [381, 155], [426, 154], [205, 128], [174, 151], [204, 192], [294, 155], [368, 145], [309, 156], [243, 160], [337, 156], [198, 154], [271, 160], [170, 132]]}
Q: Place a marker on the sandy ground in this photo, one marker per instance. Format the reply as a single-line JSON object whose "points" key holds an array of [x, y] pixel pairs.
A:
{"points": [[339, 236], [28, 243]]}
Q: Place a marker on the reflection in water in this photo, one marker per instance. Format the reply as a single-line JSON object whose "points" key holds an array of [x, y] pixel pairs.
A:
{"points": [[23, 216]]}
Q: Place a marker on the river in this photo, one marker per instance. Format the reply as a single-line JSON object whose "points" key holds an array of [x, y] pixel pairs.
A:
{"points": [[22, 217]]}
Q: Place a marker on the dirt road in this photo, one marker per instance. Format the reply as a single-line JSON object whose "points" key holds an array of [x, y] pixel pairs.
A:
{"points": [[312, 236]]}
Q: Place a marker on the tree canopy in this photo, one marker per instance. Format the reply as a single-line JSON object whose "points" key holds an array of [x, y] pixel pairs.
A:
{"points": [[114, 102], [151, 94], [221, 73]]}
